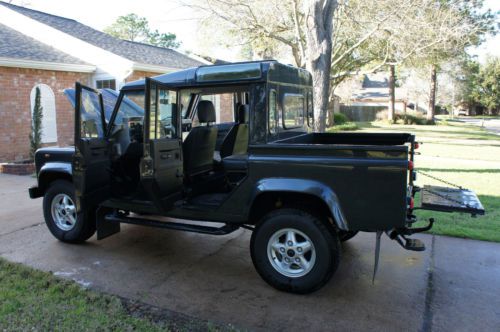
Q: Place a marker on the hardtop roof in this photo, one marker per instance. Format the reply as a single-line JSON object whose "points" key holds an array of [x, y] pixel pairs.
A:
{"points": [[232, 73]]}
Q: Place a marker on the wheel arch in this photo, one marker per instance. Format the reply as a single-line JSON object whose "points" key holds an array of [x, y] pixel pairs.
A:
{"points": [[274, 193], [51, 172]]}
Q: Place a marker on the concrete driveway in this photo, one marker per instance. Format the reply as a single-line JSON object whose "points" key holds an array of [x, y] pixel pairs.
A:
{"points": [[454, 285]]}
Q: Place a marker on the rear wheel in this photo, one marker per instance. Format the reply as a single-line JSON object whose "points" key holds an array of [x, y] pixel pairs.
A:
{"points": [[61, 216], [294, 251]]}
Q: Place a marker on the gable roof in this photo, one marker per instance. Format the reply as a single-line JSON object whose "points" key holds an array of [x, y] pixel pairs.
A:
{"points": [[16, 45], [136, 52]]}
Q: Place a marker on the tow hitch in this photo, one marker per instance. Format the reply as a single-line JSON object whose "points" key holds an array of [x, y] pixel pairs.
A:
{"points": [[410, 244]]}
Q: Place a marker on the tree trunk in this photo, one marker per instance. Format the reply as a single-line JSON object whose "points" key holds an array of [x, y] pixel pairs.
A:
{"points": [[319, 22], [432, 94], [392, 93]]}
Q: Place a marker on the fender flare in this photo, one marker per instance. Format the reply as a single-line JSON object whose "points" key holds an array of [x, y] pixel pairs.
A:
{"points": [[304, 186], [53, 169]]}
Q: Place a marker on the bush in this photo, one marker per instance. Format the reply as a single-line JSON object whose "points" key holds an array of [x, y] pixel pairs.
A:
{"points": [[339, 118], [411, 118], [346, 126], [36, 125]]}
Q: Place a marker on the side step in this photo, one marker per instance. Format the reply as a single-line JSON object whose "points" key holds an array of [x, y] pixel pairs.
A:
{"points": [[118, 218]]}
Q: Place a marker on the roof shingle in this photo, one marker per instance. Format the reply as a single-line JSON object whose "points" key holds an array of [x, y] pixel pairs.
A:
{"points": [[137, 52], [18, 46]]}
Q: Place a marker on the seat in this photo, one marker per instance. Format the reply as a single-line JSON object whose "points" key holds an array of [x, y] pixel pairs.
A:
{"points": [[236, 140], [199, 146]]}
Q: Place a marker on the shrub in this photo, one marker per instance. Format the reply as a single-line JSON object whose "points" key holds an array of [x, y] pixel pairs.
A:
{"points": [[410, 118], [339, 118], [36, 125], [342, 127]]}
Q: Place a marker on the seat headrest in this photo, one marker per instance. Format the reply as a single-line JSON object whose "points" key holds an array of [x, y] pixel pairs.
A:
{"points": [[243, 113], [206, 111]]}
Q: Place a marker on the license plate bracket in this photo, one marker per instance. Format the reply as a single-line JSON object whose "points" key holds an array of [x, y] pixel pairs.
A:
{"points": [[447, 199]]}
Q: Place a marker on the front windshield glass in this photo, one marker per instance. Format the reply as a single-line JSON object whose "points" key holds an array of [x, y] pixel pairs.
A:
{"points": [[131, 106]]}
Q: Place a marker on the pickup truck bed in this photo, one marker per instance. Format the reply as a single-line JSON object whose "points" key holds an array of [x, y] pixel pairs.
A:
{"points": [[390, 139]]}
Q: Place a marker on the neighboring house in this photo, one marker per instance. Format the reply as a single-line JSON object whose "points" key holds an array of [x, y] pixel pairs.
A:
{"points": [[52, 52], [372, 96]]}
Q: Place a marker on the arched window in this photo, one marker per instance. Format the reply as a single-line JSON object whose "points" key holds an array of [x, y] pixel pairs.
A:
{"points": [[49, 123]]}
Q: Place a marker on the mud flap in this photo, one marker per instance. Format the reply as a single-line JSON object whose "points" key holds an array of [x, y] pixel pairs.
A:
{"points": [[377, 254], [105, 228]]}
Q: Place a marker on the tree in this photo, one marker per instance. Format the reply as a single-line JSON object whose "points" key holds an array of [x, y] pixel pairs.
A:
{"points": [[319, 27], [486, 85], [167, 40], [135, 28], [444, 30], [36, 124], [366, 34], [129, 27]]}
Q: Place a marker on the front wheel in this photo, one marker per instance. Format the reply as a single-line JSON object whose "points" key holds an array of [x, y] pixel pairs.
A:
{"points": [[61, 216], [294, 251]]}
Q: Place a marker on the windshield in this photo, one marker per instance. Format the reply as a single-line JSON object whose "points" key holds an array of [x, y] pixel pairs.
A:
{"points": [[131, 105]]}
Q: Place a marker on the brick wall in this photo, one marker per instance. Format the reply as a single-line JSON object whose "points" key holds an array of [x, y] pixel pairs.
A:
{"points": [[15, 107]]}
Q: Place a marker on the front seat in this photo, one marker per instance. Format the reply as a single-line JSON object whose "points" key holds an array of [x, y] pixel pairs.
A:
{"points": [[199, 146], [236, 140]]}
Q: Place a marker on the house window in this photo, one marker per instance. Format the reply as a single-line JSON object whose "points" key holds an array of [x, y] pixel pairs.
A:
{"points": [[106, 84], [48, 103]]}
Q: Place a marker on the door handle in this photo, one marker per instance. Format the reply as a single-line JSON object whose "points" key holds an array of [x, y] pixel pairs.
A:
{"points": [[166, 156]]}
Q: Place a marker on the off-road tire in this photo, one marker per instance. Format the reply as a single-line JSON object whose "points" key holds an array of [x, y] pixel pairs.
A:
{"points": [[326, 246], [346, 235], [85, 225]]}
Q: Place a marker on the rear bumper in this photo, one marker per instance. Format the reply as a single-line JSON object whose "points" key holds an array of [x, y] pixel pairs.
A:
{"points": [[35, 192]]}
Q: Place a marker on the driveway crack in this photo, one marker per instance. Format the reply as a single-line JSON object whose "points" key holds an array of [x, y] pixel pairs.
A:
{"points": [[429, 292], [21, 229]]}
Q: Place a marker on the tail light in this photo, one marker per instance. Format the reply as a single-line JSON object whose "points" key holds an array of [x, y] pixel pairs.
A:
{"points": [[410, 165], [412, 203], [416, 145]]}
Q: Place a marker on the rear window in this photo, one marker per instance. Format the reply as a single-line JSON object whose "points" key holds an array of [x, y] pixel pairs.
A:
{"points": [[293, 109], [228, 72]]}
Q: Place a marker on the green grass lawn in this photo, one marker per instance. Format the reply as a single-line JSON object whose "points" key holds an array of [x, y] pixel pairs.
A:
{"points": [[32, 300], [462, 154]]}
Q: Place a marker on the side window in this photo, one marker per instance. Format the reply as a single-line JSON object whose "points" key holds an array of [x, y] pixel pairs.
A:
{"points": [[293, 110], [167, 115], [163, 114], [90, 115], [310, 110], [273, 113]]}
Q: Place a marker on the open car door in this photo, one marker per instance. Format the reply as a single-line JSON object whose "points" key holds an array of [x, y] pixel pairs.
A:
{"points": [[91, 160], [161, 165]]}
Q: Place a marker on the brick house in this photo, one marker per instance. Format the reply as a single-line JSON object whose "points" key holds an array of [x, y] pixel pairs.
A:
{"points": [[52, 52]]}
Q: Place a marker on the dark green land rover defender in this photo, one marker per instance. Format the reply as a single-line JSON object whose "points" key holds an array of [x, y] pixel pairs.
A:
{"points": [[233, 146]]}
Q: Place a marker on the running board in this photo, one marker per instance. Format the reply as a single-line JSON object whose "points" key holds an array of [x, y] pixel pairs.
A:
{"points": [[117, 218]]}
